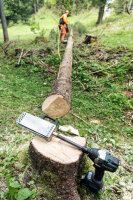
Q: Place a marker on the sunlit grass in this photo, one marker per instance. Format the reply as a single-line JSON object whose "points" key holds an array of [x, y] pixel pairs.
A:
{"points": [[115, 30]]}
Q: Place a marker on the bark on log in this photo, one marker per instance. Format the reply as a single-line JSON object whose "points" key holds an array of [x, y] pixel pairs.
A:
{"points": [[59, 163], [57, 104], [90, 39]]}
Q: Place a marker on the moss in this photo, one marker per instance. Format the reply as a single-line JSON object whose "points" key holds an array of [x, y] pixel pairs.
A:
{"points": [[50, 177]]}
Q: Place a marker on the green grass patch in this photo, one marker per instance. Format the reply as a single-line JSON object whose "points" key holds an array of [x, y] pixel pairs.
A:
{"points": [[101, 72]]}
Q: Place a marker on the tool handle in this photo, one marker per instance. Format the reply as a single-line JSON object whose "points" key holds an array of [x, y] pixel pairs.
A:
{"points": [[46, 116], [99, 173], [82, 148]]}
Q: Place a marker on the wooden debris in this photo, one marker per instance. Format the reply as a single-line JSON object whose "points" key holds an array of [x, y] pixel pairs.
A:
{"points": [[79, 118], [128, 168], [48, 68], [102, 70], [20, 57], [90, 39], [69, 129], [95, 121]]}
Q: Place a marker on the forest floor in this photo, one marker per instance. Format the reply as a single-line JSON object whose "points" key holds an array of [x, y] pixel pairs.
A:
{"points": [[102, 97]]}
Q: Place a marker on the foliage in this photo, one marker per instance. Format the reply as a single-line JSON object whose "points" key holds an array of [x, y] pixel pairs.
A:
{"points": [[53, 35], [101, 72], [121, 6], [20, 9], [35, 26], [16, 192], [98, 3], [79, 28], [70, 5]]}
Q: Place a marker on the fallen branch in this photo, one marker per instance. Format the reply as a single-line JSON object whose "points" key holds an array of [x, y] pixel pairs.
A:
{"points": [[20, 57], [5, 47], [127, 168], [50, 70], [79, 118], [103, 69], [25, 54], [81, 84]]}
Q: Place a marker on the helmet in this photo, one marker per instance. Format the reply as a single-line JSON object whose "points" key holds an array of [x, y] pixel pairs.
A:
{"points": [[67, 12]]}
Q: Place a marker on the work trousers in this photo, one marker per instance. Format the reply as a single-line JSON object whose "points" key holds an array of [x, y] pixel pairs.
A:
{"points": [[62, 33]]}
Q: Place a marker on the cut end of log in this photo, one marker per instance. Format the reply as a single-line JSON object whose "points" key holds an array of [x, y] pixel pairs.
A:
{"points": [[55, 106], [58, 150]]}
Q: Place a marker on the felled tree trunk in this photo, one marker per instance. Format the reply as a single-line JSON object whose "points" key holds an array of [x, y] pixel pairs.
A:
{"points": [[58, 163], [57, 104]]}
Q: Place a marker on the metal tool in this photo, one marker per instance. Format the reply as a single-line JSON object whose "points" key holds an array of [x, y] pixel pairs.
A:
{"points": [[103, 161], [37, 125]]}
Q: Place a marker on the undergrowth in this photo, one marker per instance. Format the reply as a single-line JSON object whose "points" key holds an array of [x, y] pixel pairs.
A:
{"points": [[101, 76]]}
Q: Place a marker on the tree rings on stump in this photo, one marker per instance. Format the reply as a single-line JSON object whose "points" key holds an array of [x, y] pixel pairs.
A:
{"points": [[59, 160]]}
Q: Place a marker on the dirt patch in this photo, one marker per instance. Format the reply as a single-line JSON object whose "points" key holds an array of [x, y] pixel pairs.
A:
{"points": [[128, 94], [129, 116], [3, 185]]}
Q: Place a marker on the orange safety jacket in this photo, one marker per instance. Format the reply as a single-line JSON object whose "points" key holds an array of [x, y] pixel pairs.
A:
{"points": [[63, 19]]}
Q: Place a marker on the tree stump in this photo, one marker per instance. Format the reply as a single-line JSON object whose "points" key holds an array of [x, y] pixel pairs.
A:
{"points": [[90, 39], [59, 163], [57, 104]]}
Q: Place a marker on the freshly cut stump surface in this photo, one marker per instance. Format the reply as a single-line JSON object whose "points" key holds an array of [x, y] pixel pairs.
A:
{"points": [[59, 163]]}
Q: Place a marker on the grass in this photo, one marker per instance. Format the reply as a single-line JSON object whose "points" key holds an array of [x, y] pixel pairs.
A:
{"points": [[96, 95], [115, 30]]}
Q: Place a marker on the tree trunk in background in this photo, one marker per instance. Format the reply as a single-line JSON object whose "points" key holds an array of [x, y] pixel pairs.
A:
{"points": [[129, 7], [37, 5], [3, 21], [100, 15]]}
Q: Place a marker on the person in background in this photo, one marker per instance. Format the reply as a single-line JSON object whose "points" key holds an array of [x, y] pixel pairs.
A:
{"points": [[63, 26]]}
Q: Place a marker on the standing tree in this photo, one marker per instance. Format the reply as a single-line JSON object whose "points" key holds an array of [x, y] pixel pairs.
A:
{"points": [[123, 6], [101, 5], [3, 21], [36, 6], [129, 7]]}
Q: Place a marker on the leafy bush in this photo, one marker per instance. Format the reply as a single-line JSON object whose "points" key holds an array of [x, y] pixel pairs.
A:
{"points": [[53, 60], [121, 69], [19, 10], [53, 35], [79, 28], [119, 6]]}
